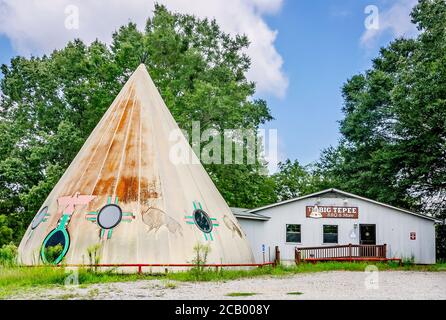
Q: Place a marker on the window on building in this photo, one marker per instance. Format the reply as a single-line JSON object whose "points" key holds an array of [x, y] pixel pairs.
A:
{"points": [[330, 234], [293, 233]]}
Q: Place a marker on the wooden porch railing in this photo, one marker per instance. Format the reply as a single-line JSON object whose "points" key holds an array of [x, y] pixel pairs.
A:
{"points": [[348, 252]]}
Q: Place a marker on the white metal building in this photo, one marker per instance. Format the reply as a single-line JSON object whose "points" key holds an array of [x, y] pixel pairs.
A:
{"points": [[332, 217]]}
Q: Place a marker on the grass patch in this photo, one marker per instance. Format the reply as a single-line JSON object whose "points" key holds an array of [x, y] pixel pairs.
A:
{"points": [[93, 293], [295, 293], [241, 294], [170, 285], [14, 279], [68, 296], [20, 279]]}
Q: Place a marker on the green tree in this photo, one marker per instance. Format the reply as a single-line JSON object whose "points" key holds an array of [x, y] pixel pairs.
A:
{"points": [[200, 72], [6, 233], [294, 180], [393, 145], [50, 104]]}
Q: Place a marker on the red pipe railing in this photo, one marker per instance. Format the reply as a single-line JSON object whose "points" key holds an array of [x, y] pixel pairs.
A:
{"points": [[165, 265]]}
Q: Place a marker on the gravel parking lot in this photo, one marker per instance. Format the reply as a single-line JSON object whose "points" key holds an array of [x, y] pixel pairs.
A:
{"points": [[323, 285]]}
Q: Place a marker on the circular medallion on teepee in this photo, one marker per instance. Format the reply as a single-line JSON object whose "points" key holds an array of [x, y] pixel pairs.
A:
{"points": [[109, 216], [202, 220], [39, 218]]}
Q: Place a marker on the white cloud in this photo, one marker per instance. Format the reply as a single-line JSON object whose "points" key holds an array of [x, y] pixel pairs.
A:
{"points": [[38, 26], [395, 20]]}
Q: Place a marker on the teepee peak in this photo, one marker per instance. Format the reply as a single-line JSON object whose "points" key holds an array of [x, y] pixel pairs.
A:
{"points": [[123, 194]]}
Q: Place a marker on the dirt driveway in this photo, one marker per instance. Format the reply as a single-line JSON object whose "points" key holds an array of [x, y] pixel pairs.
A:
{"points": [[322, 285]]}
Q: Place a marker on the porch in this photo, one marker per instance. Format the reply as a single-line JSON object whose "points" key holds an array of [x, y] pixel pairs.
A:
{"points": [[350, 252]]}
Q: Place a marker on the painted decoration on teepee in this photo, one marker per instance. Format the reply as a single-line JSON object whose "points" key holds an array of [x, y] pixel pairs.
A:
{"points": [[41, 217], [202, 221], [56, 244], [123, 193], [109, 217]]}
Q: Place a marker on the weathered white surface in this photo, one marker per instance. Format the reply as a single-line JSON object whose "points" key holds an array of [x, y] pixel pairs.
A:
{"points": [[393, 227], [127, 156], [325, 285]]}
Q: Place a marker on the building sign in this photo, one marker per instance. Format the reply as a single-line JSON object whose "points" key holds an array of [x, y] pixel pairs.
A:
{"points": [[413, 236], [332, 212]]}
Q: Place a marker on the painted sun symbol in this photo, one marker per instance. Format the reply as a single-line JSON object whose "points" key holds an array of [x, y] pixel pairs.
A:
{"points": [[109, 217], [202, 220]]}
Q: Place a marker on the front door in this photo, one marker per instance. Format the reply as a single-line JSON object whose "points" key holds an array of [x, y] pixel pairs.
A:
{"points": [[367, 234], [367, 237]]}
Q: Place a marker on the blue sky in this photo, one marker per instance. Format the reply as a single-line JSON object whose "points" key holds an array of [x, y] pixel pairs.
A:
{"points": [[6, 50], [318, 41]]}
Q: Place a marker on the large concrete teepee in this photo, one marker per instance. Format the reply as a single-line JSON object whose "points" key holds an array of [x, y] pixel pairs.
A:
{"points": [[124, 194]]}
